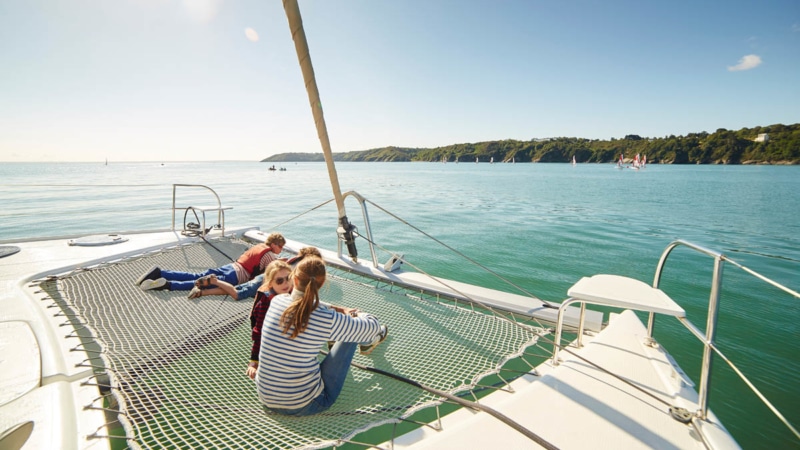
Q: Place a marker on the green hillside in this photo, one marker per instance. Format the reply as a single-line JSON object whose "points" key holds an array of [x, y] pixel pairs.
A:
{"points": [[782, 146]]}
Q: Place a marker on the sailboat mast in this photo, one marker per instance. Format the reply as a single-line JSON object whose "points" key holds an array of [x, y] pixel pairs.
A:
{"points": [[346, 229]]}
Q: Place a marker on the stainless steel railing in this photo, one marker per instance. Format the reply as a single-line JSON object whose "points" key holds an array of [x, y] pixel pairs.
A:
{"points": [[202, 209], [708, 337]]}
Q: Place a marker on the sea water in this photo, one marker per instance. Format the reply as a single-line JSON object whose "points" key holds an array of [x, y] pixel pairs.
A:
{"points": [[540, 227]]}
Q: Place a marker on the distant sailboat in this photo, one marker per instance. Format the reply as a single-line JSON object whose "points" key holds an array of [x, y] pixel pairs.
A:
{"points": [[573, 160], [635, 164], [491, 160]]}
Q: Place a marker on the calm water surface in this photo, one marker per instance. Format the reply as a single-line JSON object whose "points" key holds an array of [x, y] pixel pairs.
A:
{"points": [[541, 226]]}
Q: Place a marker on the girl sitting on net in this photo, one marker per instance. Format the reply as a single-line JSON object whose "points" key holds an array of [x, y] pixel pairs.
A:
{"points": [[276, 281], [289, 378]]}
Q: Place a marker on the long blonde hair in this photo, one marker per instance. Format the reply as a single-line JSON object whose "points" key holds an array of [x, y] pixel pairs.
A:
{"points": [[308, 276], [269, 276]]}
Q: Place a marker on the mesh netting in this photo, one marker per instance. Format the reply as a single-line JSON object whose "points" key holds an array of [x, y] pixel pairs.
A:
{"points": [[176, 366]]}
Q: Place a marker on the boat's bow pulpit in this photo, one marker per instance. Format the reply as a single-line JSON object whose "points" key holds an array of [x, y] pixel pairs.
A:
{"points": [[616, 291]]}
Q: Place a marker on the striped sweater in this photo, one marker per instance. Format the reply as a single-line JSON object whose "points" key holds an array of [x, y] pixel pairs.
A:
{"points": [[288, 374]]}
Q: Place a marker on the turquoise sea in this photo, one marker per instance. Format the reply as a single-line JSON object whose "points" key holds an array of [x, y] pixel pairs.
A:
{"points": [[540, 226]]}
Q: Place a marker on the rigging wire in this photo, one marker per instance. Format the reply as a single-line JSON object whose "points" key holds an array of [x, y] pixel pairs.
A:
{"points": [[302, 214], [499, 313], [545, 303]]}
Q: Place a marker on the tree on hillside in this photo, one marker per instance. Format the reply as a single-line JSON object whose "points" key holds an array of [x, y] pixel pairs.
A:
{"points": [[721, 147]]}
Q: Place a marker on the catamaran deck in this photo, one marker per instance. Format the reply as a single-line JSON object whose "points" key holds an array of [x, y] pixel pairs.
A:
{"points": [[576, 405], [572, 405]]}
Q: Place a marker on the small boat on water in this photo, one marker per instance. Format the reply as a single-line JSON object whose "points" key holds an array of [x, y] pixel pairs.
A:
{"points": [[91, 361]]}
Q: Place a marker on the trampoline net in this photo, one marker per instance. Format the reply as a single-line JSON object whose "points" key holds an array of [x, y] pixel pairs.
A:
{"points": [[175, 367]]}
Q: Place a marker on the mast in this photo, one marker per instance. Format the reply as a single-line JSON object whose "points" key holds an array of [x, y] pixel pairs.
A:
{"points": [[346, 229]]}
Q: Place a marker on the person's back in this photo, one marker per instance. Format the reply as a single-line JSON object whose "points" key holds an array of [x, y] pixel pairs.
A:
{"points": [[290, 380]]}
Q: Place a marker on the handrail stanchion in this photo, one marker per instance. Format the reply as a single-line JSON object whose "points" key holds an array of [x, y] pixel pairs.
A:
{"points": [[651, 322], [174, 187], [580, 324], [560, 326], [219, 208], [711, 320], [709, 346], [711, 330]]}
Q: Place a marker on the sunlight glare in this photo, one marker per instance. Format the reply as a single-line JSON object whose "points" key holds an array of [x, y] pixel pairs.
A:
{"points": [[202, 10]]}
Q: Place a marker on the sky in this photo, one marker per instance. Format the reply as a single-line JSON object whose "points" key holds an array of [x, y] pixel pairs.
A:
{"points": [[206, 80]]}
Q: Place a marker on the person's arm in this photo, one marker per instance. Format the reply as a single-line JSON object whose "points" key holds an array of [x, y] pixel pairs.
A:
{"points": [[362, 327], [222, 288], [344, 310], [213, 291]]}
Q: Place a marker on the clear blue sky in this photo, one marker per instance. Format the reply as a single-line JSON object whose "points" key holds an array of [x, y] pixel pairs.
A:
{"points": [[190, 80]]}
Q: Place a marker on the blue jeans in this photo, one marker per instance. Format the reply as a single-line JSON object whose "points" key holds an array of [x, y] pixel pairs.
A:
{"points": [[333, 370], [184, 281], [249, 289]]}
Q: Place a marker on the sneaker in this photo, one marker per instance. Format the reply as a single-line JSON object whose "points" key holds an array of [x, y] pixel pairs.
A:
{"points": [[195, 292], [366, 349], [152, 273], [154, 285]]}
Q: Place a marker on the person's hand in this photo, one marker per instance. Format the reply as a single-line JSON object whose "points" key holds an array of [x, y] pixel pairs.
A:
{"points": [[252, 368], [350, 311]]}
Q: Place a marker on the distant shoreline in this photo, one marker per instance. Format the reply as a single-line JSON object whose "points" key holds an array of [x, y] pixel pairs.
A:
{"points": [[627, 162], [771, 145]]}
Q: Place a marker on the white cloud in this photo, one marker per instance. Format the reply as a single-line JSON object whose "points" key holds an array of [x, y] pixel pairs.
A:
{"points": [[251, 34], [746, 63]]}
